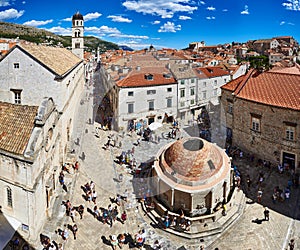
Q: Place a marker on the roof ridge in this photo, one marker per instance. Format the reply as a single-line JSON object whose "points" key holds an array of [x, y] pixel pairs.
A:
{"points": [[242, 84]]}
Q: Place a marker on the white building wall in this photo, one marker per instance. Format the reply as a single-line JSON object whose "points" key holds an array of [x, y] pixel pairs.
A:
{"points": [[274, 44], [141, 99], [35, 81], [4, 46], [188, 101], [212, 88], [240, 71], [28, 179]]}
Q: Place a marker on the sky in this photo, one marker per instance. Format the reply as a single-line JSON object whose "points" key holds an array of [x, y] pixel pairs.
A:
{"points": [[161, 23]]}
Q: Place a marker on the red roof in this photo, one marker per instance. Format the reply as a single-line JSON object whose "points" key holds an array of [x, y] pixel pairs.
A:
{"points": [[213, 71], [270, 88], [232, 85], [16, 125], [139, 80]]}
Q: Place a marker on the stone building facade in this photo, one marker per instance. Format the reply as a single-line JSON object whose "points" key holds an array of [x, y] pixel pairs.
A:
{"points": [[40, 88], [262, 115], [29, 159]]}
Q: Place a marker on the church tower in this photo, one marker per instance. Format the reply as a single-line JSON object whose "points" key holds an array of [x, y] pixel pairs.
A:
{"points": [[77, 35]]}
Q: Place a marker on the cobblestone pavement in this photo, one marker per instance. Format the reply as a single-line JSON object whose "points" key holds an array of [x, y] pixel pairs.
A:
{"points": [[99, 166]]}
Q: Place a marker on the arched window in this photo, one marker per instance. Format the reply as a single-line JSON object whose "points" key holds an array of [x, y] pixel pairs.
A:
{"points": [[9, 197]]}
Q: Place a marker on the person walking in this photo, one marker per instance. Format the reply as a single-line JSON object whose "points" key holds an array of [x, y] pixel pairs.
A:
{"points": [[96, 213], [72, 214], [110, 215], [259, 195], [76, 166], [80, 210], [74, 230], [65, 234], [61, 178], [114, 242], [94, 196], [115, 213], [68, 206], [121, 239], [292, 244], [156, 245], [266, 213], [123, 217]]}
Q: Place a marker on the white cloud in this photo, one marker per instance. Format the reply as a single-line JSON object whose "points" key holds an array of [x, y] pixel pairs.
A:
{"points": [[68, 19], [91, 16], [184, 18], [245, 11], [156, 22], [292, 5], [119, 19], [284, 22], [202, 2], [23, 2], [162, 8], [4, 3], [225, 10], [10, 14], [102, 30], [87, 17], [128, 36], [61, 31], [169, 27], [37, 23], [210, 18], [211, 8]]}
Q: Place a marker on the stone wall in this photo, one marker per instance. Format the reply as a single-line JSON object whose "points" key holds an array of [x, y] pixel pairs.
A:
{"points": [[270, 141]]}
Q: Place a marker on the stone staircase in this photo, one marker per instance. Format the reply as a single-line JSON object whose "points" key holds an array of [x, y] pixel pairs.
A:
{"points": [[207, 229]]}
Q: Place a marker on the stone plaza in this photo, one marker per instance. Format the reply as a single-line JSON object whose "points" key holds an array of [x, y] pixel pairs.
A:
{"points": [[250, 231]]}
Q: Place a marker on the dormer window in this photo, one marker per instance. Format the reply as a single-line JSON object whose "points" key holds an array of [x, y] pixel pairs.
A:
{"points": [[149, 77], [167, 75]]}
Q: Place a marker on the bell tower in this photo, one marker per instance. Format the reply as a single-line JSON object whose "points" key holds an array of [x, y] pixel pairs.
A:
{"points": [[77, 35]]}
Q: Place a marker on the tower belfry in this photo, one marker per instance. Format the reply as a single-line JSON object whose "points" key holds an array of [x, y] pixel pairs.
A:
{"points": [[77, 35]]}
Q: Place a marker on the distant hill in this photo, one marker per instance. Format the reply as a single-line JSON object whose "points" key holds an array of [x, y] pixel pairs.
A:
{"points": [[125, 47], [32, 34]]}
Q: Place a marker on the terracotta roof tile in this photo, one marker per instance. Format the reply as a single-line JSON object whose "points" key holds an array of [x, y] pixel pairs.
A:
{"points": [[139, 80], [213, 71], [59, 60], [288, 70], [271, 88], [232, 85], [16, 124], [182, 71]]}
